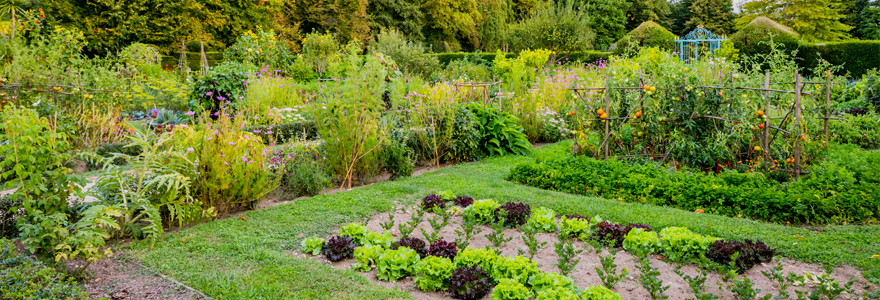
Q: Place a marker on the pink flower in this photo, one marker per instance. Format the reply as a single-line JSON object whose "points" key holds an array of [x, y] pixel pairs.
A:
{"points": [[232, 143], [190, 149], [244, 159]]}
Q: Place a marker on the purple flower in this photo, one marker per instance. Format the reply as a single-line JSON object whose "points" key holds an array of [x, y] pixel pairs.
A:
{"points": [[232, 143], [221, 98], [244, 159], [209, 93], [190, 113], [257, 131], [245, 83], [190, 149], [154, 111]]}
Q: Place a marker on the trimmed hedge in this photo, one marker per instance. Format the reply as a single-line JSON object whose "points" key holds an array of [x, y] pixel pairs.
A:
{"points": [[842, 190], [750, 39], [648, 34], [582, 56], [856, 57]]}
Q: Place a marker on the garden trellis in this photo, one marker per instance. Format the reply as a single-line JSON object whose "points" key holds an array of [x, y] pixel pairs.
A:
{"points": [[793, 115], [689, 47]]}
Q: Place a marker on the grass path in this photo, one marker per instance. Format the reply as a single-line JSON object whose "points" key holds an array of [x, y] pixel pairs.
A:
{"points": [[238, 259]]}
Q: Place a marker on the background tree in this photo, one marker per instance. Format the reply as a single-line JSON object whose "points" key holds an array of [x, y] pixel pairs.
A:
{"points": [[641, 11], [715, 15], [493, 25], [348, 19], [607, 19], [869, 25], [815, 20], [522, 8], [556, 26], [403, 15], [679, 15], [448, 21]]}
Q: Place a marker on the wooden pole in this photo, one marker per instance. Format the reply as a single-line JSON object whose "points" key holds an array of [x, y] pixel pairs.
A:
{"points": [[607, 106], [766, 111], [797, 125], [827, 104]]}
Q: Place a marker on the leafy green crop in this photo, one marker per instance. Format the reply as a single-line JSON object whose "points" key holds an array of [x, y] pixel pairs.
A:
{"points": [[312, 245], [383, 240], [548, 281], [356, 231], [499, 132], [483, 258], [557, 294], [395, 264], [511, 289], [518, 268], [366, 257], [482, 211], [433, 272], [574, 227], [598, 292], [679, 244], [543, 219], [640, 242]]}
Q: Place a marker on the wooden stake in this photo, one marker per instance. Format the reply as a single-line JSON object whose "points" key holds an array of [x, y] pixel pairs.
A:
{"points": [[827, 105], [607, 106], [797, 125], [766, 118]]}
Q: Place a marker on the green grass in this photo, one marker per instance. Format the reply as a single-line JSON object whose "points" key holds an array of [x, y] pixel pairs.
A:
{"points": [[235, 259]]}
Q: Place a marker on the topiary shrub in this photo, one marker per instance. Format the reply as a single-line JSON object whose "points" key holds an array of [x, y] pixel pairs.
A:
{"points": [[749, 39], [646, 35]]}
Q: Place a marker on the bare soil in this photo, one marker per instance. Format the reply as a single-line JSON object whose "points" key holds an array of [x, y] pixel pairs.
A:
{"points": [[120, 277], [585, 273]]}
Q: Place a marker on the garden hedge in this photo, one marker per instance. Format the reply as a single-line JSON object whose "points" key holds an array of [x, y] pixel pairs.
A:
{"points": [[856, 57]]}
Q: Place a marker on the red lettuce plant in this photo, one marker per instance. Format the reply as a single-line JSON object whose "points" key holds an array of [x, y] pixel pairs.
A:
{"points": [[517, 213], [414, 243], [432, 200], [469, 283], [442, 248], [463, 201], [750, 253], [576, 216], [646, 227], [610, 234], [338, 248]]}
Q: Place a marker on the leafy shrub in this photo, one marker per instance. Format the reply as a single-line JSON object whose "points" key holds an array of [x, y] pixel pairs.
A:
{"points": [[610, 233], [598, 292], [224, 82], [366, 257], [752, 38], [469, 283], [313, 245], [413, 243], [646, 35], [9, 212], [338, 248], [378, 239], [543, 219], [303, 171], [483, 258], [260, 48], [750, 252], [464, 143], [511, 289], [515, 213], [482, 211], [518, 268], [544, 281], [357, 231], [397, 159], [107, 150], [441, 248], [500, 132], [641, 243], [574, 227], [431, 201], [557, 294], [433, 273], [679, 244], [396, 264], [463, 201], [26, 278], [410, 56], [467, 69]]}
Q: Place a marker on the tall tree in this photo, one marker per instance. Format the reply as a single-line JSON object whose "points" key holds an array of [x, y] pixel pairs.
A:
{"points": [[715, 15], [680, 14], [493, 25], [556, 26], [522, 8], [869, 25], [607, 19], [347, 18], [815, 20], [447, 21], [403, 15], [647, 10]]}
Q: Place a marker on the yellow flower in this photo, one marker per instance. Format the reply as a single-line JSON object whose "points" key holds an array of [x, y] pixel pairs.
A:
{"points": [[875, 256]]}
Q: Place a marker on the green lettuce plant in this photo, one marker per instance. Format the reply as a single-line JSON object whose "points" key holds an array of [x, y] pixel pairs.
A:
{"points": [[544, 281], [640, 242], [543, 220], [574, 228], [366, 257], [395, 264], [511, 289], [312, 245], [356, 231], [482, 211], [433, 272], [518, 268], [681, 245], [597, 292], [557, 294], [383, 240], [483, 258]]}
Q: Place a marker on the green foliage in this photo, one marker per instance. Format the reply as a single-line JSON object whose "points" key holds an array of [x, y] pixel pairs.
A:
{"points": [[558, 26], [752, 38], [596, 292], [483, 258], [303, 169], [679, 244], [854, 56], [281, 133], [398, 159], [410, 56], [608, 273], [260, 48], [557, 294], [481, 212], [319, 50], [728, 193], [433, 273], [869, 91], [641, 11], [26, 278], [383, 240], [518, 268], [728, 51], [543, 219], [815, 20], [313, 245], [500, 133], [356, 231], [223, 87], [446, 20], [715, 15], [574, 228], [367, 256], [546, 281], [395, 264], [648, 279], [608, 18], [463, 70], [861, 130], [647, 35], [400, 15], [641, 243], [8, 214], [566, 254], [511, 289]]}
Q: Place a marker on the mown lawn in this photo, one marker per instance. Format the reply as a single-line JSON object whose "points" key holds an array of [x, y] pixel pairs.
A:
{"points": [[237, 259]]}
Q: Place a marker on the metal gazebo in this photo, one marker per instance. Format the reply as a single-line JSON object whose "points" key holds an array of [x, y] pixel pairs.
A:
{"points": [[689, 46]]}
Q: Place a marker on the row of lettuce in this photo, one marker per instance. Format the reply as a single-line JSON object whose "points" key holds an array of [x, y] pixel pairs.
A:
{"points": [[471, 273], [840, 187]]}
